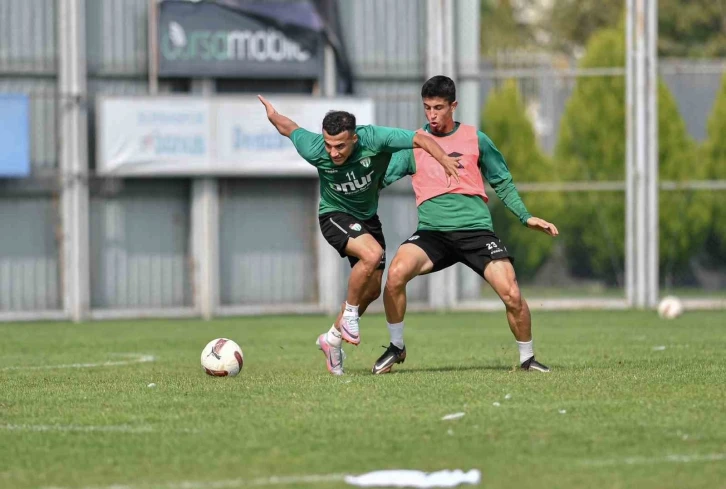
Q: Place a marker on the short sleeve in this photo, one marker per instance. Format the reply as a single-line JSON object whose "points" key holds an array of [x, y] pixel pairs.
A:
{"points": [[309, 145], [386, 139]]}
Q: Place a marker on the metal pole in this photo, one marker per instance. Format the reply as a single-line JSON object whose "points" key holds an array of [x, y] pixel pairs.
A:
{"points": [[73, 157], [466, 55], [439, 61], [205, 244], [630, 177], [466, 284], [434, 38], [641, 154], [328, 266], [448, 54], [652, 252], [153, 43], [205, 229], [330, 78]]}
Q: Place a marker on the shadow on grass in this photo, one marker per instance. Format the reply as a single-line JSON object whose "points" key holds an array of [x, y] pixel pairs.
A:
{"points": [[446, 368], [454, 368]]}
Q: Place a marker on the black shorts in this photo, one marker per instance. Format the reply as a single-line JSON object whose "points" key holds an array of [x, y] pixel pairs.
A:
{"points": [[337, 227], [475, 249]]}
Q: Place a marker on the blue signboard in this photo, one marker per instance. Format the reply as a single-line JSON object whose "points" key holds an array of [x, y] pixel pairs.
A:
{"points": [[14, 135]]}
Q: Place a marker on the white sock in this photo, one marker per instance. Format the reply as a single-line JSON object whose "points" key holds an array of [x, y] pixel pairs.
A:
{"points": [[396, 331], [526, 350], [350, 311], [333, 337]]}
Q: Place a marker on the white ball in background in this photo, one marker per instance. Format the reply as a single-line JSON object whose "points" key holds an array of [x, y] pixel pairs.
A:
{"points": [[222, 357], [670, 307]]}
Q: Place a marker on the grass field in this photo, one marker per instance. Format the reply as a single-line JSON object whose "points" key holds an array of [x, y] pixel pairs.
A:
{"points": [[597, 291], [632, 401]]}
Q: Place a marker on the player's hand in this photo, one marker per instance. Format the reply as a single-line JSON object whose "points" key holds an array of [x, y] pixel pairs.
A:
{"points": [[268, 106], [541, 225], [451, 167]]}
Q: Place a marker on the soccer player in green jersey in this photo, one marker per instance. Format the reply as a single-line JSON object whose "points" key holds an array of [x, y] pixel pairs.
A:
{"points": [[454, 223], [351, 162]]}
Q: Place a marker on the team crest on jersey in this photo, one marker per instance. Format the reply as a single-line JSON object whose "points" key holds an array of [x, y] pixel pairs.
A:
{"points": [[366, 162], [355, 227]]}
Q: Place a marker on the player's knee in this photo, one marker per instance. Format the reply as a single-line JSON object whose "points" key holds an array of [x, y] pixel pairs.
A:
{"points": [[512, 298], [372, 257], [397, 276]]}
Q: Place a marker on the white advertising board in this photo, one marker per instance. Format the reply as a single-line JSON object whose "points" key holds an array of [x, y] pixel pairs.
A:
{"points": [[187, 136]]}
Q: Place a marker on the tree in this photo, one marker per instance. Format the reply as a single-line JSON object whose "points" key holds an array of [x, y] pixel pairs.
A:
{"points": [[571, 23], [715, 155], [692, 28], [505, 122], [684, 215], [686, 28], [500, 29], [591, 147]]}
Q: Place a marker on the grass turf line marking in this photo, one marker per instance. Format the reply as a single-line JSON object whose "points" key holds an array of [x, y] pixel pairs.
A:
{"points": [[312, 479], [680, 459], [89, 428], [225, 484], [132, 358], [77, 428]]}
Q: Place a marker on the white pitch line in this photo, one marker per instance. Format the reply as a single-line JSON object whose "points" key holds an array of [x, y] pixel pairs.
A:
{"points": [[226, 484], [676, 459], [77, 428], [132, 358], [39, 428]]}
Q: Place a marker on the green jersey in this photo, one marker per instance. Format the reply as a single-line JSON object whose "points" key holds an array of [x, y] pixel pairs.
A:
{"points": [[460, 212], [354, 186]]}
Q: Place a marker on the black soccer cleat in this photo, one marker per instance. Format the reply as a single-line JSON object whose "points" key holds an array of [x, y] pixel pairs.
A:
{"points": [[533, 364], [385, 362]]}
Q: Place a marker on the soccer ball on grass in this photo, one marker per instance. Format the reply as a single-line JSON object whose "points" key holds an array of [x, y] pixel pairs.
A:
{"points": [[222, 357], [670, 307]]}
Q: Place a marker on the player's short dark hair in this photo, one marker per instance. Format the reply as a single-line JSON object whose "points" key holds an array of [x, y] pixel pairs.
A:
{"points": [[439, 86], [337, 121]]}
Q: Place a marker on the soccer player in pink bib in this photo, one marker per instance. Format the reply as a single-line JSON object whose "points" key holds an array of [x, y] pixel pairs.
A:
{"points": [[454, 223]]}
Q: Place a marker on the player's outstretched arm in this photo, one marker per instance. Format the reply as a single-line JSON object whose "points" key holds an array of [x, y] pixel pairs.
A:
{"points": [[541, 225], [495, 171], [428, 144], [283, 125]]}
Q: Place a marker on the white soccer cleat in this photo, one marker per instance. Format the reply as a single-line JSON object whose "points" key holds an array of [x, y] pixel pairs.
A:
{"points": [[333, 355], [350, 330]]}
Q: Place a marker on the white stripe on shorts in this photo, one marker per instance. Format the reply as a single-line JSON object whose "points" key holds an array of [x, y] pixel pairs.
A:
{"points": [[337, 226]]}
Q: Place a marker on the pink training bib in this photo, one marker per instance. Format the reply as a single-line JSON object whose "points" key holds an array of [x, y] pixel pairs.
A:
{"points": [[430, 180]]}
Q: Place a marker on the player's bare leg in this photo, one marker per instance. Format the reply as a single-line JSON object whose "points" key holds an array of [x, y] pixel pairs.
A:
{"points": [[364, 280], [409, 262], [500, 275], [369, 254], [372, 292], [333, 337]]}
